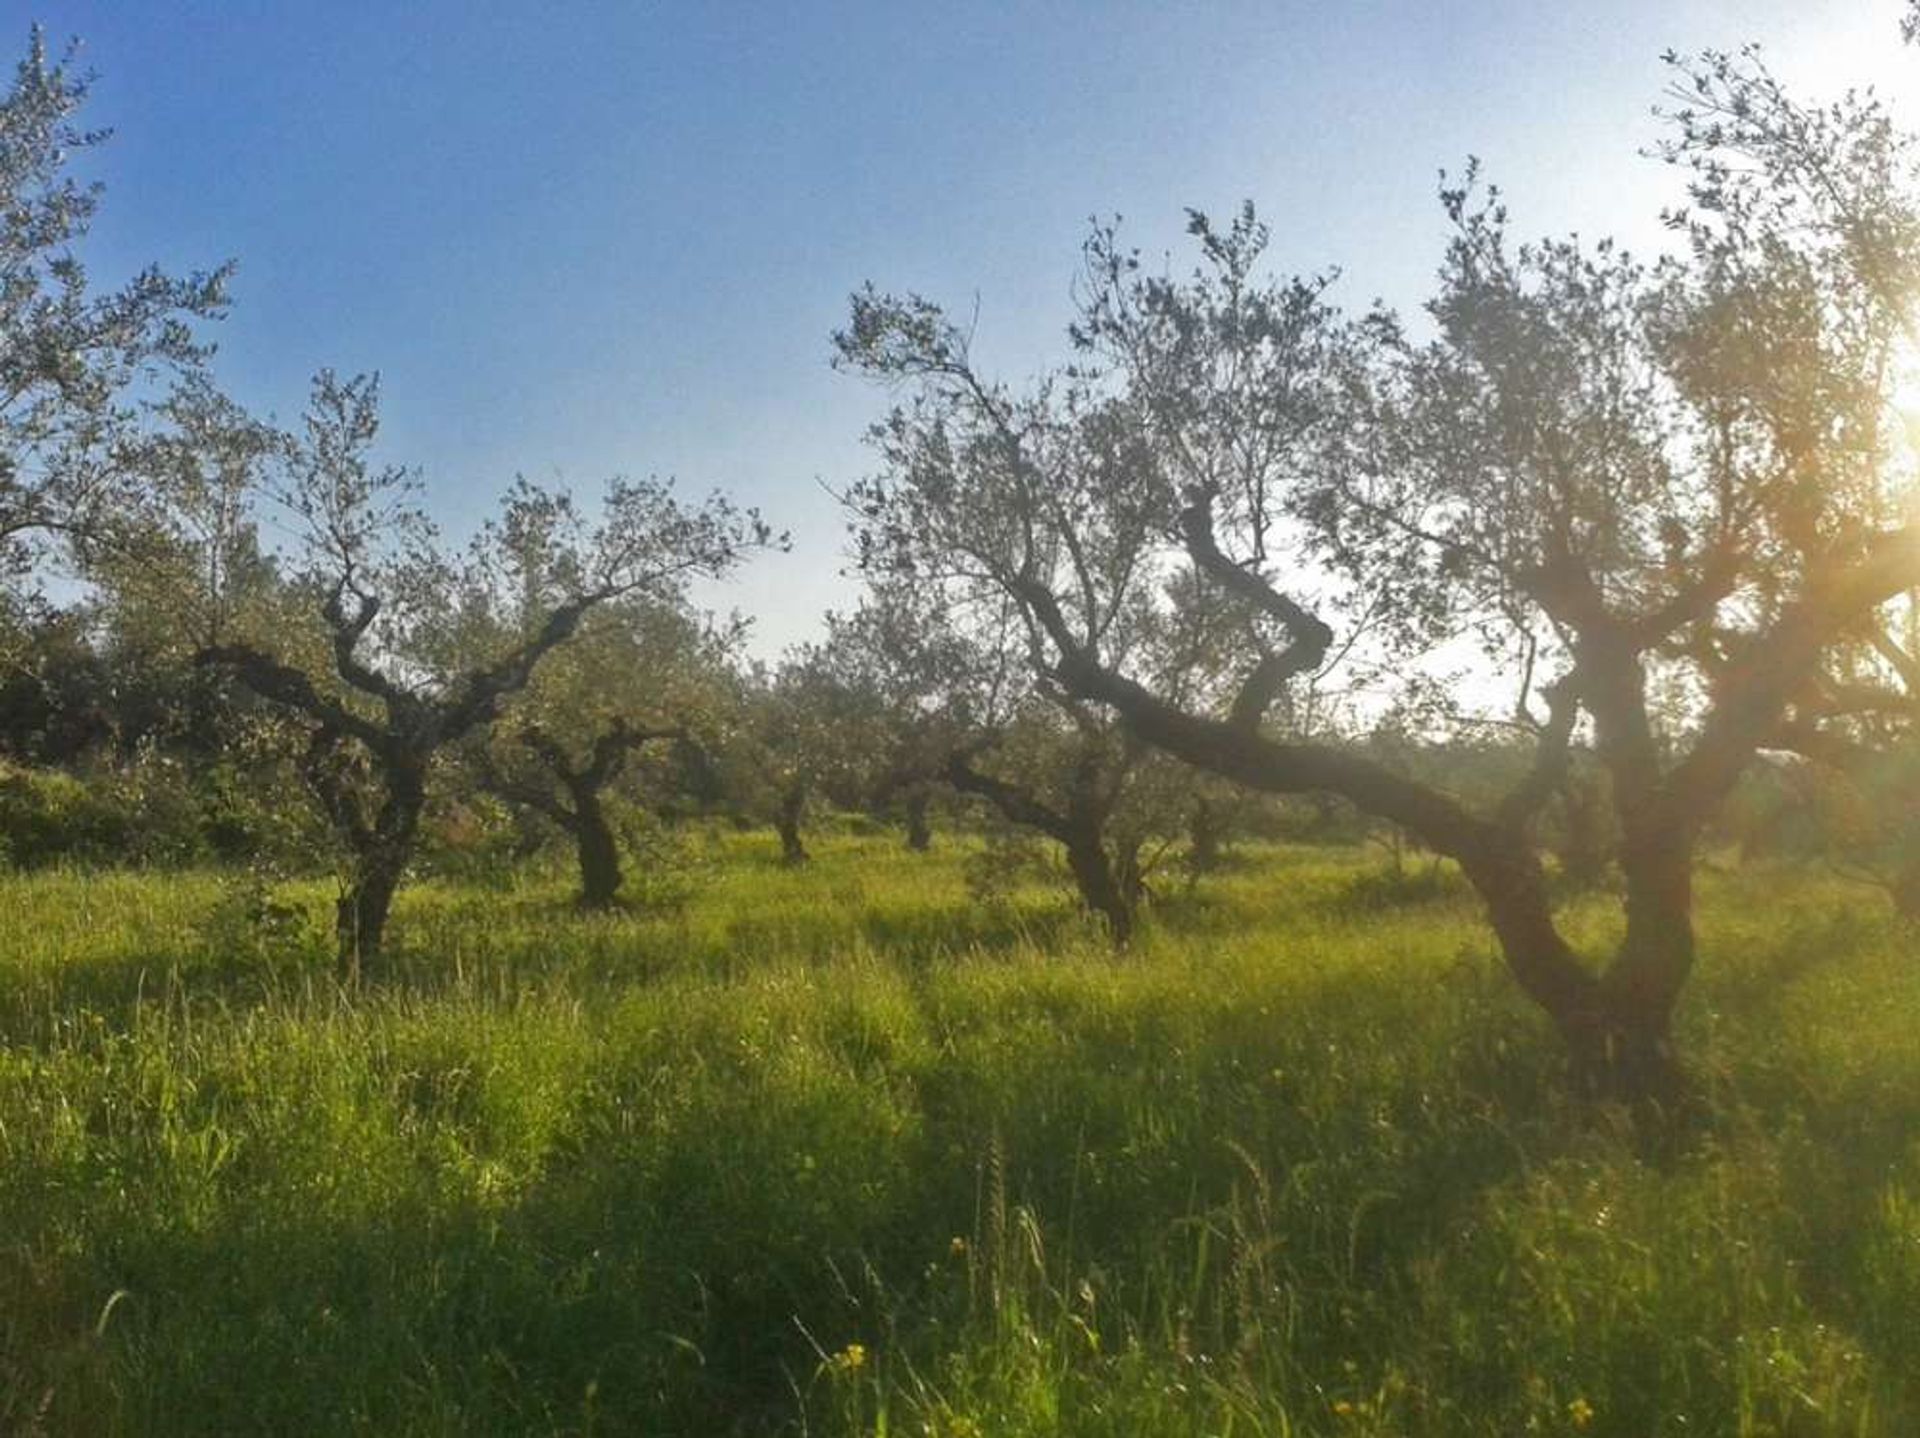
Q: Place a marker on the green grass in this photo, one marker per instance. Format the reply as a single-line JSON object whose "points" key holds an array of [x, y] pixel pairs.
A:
{"points": [[839, 1151]]}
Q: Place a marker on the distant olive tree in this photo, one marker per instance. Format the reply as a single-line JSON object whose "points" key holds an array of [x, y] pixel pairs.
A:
{"points": [[404, 676], [638, 675], [950, 702], [792, 736], [1658, 493]]}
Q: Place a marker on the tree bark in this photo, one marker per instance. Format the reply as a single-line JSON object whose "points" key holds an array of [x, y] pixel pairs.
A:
{"points": [[599, 853], [1107, 890], [1583, 849], [919, 831], [360, 916], [786, 820], [380, 862], [1103, 888]]}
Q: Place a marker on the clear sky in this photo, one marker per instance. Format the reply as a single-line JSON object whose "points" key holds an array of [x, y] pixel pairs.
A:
{"points": [[587, 239]]}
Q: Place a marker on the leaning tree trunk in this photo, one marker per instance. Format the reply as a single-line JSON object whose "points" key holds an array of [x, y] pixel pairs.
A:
{"points": [[786, 820]]}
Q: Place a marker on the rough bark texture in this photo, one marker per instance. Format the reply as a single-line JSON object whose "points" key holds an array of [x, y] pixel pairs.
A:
{"points": [[1583, 847], [599, 854]]}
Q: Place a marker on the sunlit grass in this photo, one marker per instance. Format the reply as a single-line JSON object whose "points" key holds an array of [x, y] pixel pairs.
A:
{"points": [[839, 1150]]}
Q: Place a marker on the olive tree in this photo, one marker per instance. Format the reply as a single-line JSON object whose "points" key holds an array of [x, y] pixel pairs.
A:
{"points": [[790, 734], [74, 358], [905, 686], [638, 674], [1608, 482], [413, 663]]}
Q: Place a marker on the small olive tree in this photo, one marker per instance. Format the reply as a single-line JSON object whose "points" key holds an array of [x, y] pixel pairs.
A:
{"points": [[638, 675], [413, 661]]}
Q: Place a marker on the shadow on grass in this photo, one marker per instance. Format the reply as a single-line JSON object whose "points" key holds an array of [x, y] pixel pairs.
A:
{"points": [[716, 1199]]}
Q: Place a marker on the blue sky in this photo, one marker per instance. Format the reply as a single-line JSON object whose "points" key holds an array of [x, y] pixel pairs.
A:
{"points": [[587, 239]]}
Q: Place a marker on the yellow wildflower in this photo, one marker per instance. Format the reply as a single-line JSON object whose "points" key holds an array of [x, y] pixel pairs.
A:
{"points": [[1580, 1412]]}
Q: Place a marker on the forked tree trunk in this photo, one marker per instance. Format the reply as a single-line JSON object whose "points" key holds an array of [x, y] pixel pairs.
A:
{"points": [[1108, 883], [583, 812], [1617, 1025]]}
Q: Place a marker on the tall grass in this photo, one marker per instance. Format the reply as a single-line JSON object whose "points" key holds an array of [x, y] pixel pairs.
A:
{"points": [[840, 1151]]}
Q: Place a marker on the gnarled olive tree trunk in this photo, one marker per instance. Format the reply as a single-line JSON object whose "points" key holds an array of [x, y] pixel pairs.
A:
{"points": [[787, 814], [578, 806], [1105, 873], [376, 809]]}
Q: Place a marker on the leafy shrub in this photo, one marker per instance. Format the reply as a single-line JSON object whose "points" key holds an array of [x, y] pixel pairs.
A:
{"points": [[664, 865], [1007, 860], [152, 811], [252, 922]]}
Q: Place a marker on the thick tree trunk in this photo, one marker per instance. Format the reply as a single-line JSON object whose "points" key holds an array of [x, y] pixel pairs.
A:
{"points": [[786, 820], [383, 852], [1617, 1027], [919, 831], [361, 913], [1103, 889], [600, 875], [1642, 987], [1109, 887]]}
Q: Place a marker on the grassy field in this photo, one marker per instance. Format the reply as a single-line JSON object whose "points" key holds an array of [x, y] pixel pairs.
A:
{"points": [[840, 1151]]}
